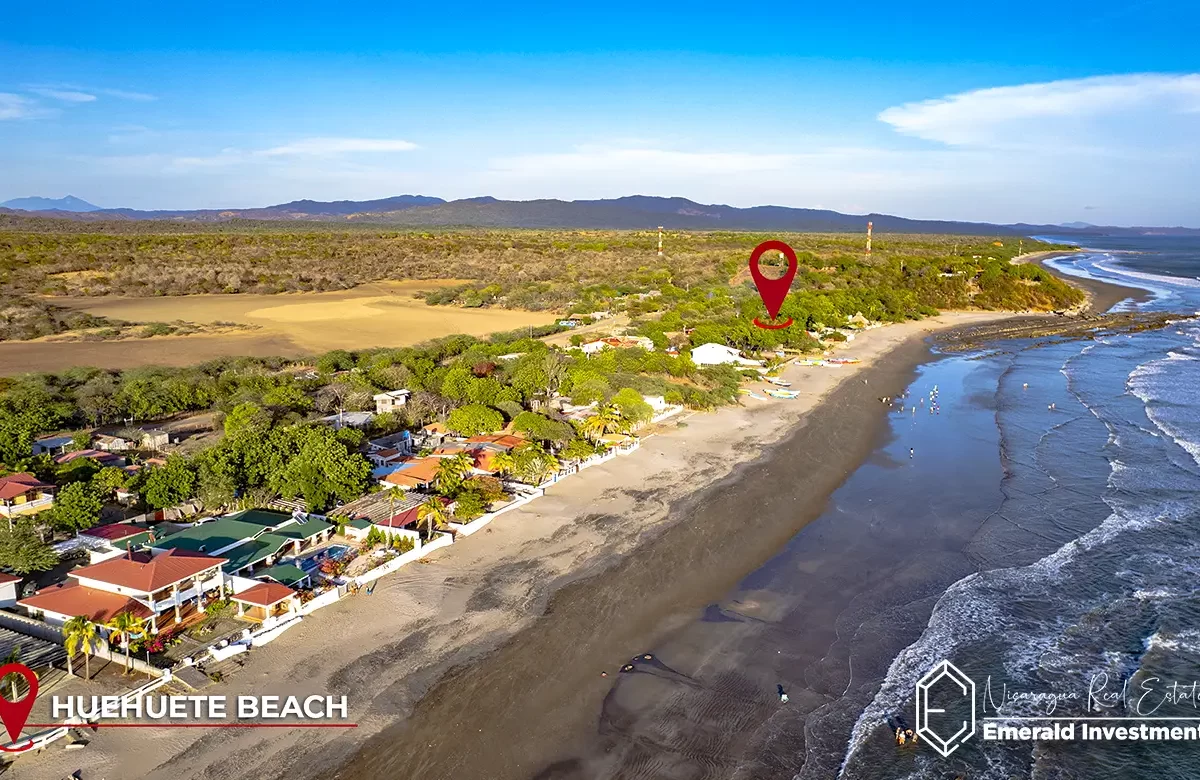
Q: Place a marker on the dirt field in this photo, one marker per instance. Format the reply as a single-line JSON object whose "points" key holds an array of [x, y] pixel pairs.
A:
{"points": [[382, 314]]}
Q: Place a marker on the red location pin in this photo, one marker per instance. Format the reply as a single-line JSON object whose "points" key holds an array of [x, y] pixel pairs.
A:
{"points": [[773, 291], [16, 713]]}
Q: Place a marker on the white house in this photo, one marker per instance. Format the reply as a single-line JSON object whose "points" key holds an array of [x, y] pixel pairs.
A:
{"points": [[718, 354], [391, 400], [617, 342]]}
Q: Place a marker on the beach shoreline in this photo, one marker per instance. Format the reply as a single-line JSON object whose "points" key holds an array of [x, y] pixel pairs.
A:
{"points": [[449, 661], [1101, 296], [429, 624]]}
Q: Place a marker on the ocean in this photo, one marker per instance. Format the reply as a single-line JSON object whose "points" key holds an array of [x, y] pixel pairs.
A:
{"points": [[1031, 518]]}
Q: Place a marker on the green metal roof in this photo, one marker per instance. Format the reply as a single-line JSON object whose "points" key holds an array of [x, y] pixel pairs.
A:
{"points": [[260, 517], [253, 552], [212, 536], [285, 574], [360, 523], [305, 530]]}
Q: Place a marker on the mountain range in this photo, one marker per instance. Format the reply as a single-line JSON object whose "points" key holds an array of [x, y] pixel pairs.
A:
{"points": [[638, 212]]}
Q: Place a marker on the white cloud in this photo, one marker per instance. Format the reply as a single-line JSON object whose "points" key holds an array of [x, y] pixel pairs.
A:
{"points": [[126, 94], [67, 96], [17, 107], [332, 146], [1102, 114]]}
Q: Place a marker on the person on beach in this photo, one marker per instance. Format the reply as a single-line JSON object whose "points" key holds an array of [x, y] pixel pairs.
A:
{"points": [[899, 737], [911, 736], [783, 697]]}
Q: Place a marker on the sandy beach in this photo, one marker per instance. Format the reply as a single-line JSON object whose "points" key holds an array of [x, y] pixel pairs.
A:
{"points": [[448, 661]]}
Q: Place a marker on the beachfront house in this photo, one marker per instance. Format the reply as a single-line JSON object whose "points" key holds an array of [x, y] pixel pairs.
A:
{"points": [[718, 354], [250, 539], [390, 400], [24, 494], [413, 474], [164, 588]]}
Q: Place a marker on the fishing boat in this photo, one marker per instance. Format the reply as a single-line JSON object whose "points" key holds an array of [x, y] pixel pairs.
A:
{"points": [[812, 362], [783, 393], [751, 393], [846, 361], [777, 382]]}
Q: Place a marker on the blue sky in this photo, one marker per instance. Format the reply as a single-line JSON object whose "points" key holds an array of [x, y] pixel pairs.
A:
{"points": [[1007, 112]]}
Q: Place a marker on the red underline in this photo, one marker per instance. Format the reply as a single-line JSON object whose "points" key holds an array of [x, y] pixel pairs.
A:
{"points": [[195, 725]]}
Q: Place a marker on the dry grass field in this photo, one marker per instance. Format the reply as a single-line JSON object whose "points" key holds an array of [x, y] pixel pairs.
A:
{"points": [[379, 314]]}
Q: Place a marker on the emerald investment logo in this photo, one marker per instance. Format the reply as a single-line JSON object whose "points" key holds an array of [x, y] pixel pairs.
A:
{"points": [[945, 708]]}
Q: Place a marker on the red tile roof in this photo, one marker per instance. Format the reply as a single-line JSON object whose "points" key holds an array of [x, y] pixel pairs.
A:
{"points": [[19, 484], [145, 574], [71, 598], [114, 531], [415, 473], [408, 516], [264, 594], [7, 578]]}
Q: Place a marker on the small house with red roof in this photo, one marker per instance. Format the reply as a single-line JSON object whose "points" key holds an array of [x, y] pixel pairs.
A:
{"points": [[267, 603], [24, 494], [9, 583]]}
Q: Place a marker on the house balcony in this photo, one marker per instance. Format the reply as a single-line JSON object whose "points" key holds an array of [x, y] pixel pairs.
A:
{"points": [[26, 508]]}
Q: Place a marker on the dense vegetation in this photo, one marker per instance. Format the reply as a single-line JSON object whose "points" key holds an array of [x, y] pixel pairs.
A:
{"points": [[27, 318], [531, 269]]}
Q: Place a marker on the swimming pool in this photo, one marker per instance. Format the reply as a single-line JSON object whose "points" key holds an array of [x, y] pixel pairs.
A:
{"points": [[334, 551]]}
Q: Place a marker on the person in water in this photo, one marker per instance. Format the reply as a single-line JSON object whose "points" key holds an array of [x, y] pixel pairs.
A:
{"points": [[783, 697]]}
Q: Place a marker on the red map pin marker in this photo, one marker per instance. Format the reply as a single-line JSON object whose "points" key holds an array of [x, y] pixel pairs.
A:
{"points": [[773, 291], [16, 713]]}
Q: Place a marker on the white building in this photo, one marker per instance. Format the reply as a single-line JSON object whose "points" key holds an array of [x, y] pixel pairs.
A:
{"points": [[712, 354], [391, 400]]}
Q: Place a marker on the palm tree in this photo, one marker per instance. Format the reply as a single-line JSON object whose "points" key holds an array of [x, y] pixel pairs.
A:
{"points": [[452, 471], [503, 463], [545, 466], [607, 418], [433, 515], [12, 678], [126, 625], [80, 633]]}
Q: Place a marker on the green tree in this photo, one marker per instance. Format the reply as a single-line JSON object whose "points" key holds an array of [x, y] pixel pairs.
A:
{"points": [[107, 481], [474, 419], [23, 550], [322, 469], [77, 507], [632, 406], [171, 484], [247, 419], [79, 633], [469, 505]]}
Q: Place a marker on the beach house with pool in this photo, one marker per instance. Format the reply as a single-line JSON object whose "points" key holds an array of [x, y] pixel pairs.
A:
{"points": [[250, 539], [164, 588]]}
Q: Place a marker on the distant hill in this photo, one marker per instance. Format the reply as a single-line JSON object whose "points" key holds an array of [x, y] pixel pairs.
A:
{"points": [[69, 203], [634, 212]]}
